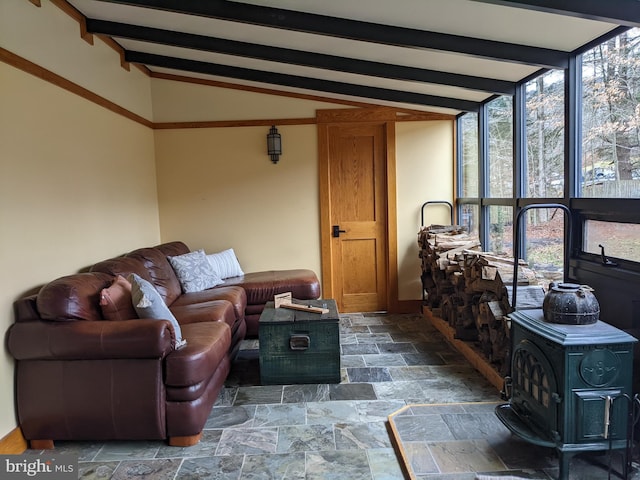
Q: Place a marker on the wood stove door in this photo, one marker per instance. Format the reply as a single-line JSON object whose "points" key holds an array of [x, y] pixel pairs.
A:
{"points": [[599, 416], [535, 389]]}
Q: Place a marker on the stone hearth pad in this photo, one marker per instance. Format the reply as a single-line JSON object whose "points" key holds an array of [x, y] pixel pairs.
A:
{"points": [[463, 439]]}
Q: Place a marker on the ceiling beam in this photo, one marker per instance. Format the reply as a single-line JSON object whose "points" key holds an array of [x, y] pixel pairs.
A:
{"points": [[359, 30], [298, 57], [620, 12], [301, 82]]}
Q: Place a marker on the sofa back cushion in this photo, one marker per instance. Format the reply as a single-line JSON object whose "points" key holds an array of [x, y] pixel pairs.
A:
{"points": [[73, 297], [122, 266], [25, 309], [159, 272], [172, 249]]}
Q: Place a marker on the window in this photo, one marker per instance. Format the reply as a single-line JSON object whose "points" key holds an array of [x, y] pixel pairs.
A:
{"points": [[620, 240], [611, 118], [501, 230], [544, 234], [593, 108], [469, 167], [469, 217], [500, 122], [545, 136]]}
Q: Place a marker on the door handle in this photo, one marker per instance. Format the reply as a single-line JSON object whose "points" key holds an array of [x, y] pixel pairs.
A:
{"points": [[336, 231]]}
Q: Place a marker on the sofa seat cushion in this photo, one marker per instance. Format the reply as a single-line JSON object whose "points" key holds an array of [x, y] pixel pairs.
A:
{"points": [[211, 311], [234, 294], [262, 286], [207, 345], [185, 394]]}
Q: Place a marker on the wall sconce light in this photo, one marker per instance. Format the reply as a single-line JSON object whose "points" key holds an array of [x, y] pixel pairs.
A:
{"points": [[274, 144]]}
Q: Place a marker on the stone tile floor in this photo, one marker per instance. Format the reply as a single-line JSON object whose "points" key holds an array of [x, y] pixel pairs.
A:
{"points": [[467, 441], [390, 363]]}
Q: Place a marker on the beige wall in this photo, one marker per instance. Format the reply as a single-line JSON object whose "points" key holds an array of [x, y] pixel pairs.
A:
{"points": [[424, 153], [191, 102], [218, 189], [77, 182], [210, 179], [50, 38]]}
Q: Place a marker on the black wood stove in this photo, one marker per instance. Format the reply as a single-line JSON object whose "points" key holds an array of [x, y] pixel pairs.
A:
{"points": [[570, 385]]}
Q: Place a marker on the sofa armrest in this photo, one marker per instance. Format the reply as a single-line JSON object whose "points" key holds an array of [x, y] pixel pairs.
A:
{"points": [[90, 340]]}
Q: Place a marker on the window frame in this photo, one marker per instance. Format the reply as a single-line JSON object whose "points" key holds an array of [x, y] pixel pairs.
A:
{"points": [[607, 209]]}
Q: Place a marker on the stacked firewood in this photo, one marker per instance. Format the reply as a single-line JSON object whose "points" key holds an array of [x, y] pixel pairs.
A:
{"points": [[438, 272], [471, 289]]}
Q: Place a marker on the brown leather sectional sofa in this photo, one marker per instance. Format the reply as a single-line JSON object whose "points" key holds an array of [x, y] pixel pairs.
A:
{"points": [[81, 377]]}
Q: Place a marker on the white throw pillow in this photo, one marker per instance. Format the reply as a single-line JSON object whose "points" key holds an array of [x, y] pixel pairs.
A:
{"points": [[149, 304], [194, 271], [225, 263]]}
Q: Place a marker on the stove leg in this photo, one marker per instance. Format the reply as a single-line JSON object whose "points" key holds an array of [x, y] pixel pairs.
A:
{"points": [[565, 459]]}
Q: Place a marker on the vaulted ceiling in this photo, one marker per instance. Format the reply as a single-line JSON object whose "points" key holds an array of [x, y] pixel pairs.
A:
{"points": [[431, 55]]}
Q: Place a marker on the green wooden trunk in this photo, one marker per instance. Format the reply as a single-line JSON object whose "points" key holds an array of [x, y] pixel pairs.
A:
{"points": [[299, 347]]}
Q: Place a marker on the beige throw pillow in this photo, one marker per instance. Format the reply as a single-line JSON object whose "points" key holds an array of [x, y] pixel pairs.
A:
{"points": [[225, 264], [115, 300]]}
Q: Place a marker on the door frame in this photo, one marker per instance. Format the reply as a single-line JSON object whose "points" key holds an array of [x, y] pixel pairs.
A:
{"points": [[379, 116]]}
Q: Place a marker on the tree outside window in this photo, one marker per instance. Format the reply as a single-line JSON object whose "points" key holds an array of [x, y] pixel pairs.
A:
{"points": [[545, 137], [500, 112], [611, 118], [501, 230], [469, 131]]}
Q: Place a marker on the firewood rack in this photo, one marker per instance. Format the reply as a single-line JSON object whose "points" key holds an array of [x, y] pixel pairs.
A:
{"points": [[424, 205], [432, 202]]}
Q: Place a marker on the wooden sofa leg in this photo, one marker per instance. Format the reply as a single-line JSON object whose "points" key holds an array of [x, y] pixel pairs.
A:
{"points": [[185, 441], [41, 444]]}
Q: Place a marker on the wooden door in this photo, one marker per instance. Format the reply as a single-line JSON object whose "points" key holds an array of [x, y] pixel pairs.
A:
{"points": [[354, 204]]}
